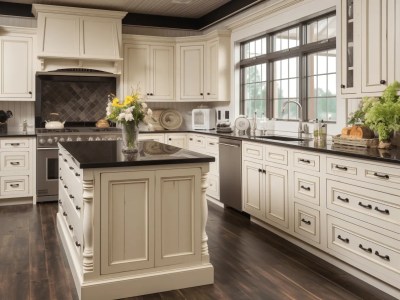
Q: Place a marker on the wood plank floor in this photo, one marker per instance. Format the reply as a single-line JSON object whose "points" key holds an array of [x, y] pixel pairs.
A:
{"points": [[249, 261]]}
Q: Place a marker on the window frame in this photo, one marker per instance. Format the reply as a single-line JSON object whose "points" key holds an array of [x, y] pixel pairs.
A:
{"points": [[300, 51]]}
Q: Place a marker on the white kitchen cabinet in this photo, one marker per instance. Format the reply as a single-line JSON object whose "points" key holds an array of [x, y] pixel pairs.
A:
{"points": [[394, 40], [253, 188], [17, 166], [176, 139], [151, 67], [158, 137], [16, 68]]}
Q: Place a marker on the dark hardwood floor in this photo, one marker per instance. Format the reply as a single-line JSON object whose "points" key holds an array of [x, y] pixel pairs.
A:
{"points": [[249, 261]]}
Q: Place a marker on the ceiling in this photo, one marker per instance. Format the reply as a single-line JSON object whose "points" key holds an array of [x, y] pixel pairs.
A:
{"points": [[190, 14]]}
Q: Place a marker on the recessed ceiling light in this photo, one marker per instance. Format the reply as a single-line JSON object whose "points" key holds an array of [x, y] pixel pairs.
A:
{"points": [[182, 1]]}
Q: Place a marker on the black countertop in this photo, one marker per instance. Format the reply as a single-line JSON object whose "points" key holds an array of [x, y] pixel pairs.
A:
{"points": [[388, 156], [107, 154], [17, 133]]}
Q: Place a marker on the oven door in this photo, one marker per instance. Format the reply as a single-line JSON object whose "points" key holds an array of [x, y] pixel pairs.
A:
{"points": [[47, 174]]}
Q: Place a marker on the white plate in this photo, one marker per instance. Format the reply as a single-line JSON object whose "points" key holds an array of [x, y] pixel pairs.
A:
{"points": [[242, 123], [170, 119]]}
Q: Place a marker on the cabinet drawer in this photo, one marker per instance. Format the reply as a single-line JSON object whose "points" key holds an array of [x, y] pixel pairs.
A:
{"points": [[369, 250], [71, 215], [14, 143], [276, 155], [306, 161], [14, 161], [306, 187], [212, 145], [213, 186], [197, 143], [383, 175], [307, 222], [341, 167], [251, 150], [367, 204], [152, 137], [14, 186]]}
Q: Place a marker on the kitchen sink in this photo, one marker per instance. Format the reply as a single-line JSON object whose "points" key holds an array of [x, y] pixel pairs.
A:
{"points": [[282, 138]]}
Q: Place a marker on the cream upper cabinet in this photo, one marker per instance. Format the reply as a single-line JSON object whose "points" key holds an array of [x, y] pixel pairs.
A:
{"points": [[151, 68], [394, 40], [16, 67]]}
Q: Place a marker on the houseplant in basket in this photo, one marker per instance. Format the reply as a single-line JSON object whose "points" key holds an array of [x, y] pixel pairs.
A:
{"points": [[129, 113]]}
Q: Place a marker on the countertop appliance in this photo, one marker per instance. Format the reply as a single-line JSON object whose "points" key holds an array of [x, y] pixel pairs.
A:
{"points": [[203, 118], [47, 154], [230, 176]]}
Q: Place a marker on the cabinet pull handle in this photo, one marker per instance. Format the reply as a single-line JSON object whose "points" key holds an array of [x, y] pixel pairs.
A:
{"points": [[382, 81], [307, 188], [71, 168], [15, 144], [65, 186], [190, 139], [14, 163], [59, 154], [78, 207], [342, 86], [60, 202], [30, 93], [384, 176], [77, 244], [341, 168], [343, 199], [65, 159], [201, 94], [306, 161], [14, 185], [71, 196], [259, 170], [367, 206], [60, 177], [383, 211], [212, 144], [369, 250], [306, 221], [264, 171], [169, 139], [77, 174], [65, 214], [208, 93], [346, 240], [384, 257], [70, 227]]}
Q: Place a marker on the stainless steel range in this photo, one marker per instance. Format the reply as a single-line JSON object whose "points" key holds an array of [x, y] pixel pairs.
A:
{"points": [[47, 154]]}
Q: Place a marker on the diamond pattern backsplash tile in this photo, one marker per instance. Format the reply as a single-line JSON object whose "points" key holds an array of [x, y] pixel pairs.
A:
{"points": [[76, 101]]}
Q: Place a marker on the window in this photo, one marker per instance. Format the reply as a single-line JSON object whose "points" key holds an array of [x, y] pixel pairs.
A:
{"points": [[298, 64]]}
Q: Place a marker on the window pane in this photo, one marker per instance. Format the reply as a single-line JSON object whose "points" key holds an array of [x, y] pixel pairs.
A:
{"points": [[277, 70], [331, 85], [285, 68], [312, 33], [278, 109], [322, 29], [246, 51], [331, 27], [293, 67], [293, 88], [294, 37], [331, 109], [321, 84], [285, 88], [331, 55], [322, 63]]}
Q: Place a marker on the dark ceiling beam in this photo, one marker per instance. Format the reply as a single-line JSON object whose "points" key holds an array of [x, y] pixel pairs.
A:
{"points": [[160, 21], [16, 9]]}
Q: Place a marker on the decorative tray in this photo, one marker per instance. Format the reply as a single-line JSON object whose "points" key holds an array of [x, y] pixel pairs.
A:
{"points": [[366, 143], [170, 119]]}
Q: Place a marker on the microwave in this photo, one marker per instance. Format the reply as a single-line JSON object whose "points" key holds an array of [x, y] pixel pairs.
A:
{"points": [[203, 118]]}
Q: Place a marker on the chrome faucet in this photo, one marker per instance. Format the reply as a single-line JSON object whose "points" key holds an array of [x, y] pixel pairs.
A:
{"points": [[300, 130]]}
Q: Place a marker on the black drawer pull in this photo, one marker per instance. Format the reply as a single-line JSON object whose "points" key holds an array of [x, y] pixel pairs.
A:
{"points": [[15, 144], [343, 199], [65, 186], [307, 188], [71, 196], [212, 144], [384, 176], [71, 168], [305, 160], [77, 174], [59, 154], [385, 257], [341, 168], [190, 139], [60, 202], [65, 214], [78, 207], [306, 221], [369, 250], [14, 185], [65, 159], [383, 211], [14, 163], [259, 170], [346, 240], [70, 227], [264, 171], [367, 206], [60, 177], [77, 244]]}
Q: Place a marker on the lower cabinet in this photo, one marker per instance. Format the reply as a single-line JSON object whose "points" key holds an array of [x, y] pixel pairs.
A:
{"points": [[176, 139]]}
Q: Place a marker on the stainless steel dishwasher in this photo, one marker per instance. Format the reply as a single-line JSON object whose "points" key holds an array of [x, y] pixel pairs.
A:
{"points": [[230, 172]]}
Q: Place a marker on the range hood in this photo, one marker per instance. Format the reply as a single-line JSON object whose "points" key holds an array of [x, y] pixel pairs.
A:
{"points": [[71, 37]]}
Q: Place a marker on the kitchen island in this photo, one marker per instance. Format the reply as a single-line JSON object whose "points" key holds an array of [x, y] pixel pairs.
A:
{"points": [[133, 224]]}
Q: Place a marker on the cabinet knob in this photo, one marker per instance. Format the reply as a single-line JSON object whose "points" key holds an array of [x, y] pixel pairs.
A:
{"points": [[201, 94], [382, 81], [77, 244], [342, 86], [208, 93], [70, 227], [148, 94], [169, 139], [30, 93], [151, 94], [78, 207]]}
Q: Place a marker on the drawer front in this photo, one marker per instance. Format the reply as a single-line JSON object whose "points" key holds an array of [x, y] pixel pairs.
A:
{"points": [[276, 155], [71, 182], [370, 250], [213, 186], [197, 143], [14, 186], [306, 187], [212, 145], [71, 216], [367, 203], [382, 175], [14, 161], [250, 150], [152, 137], [341, 167], [14, 143], [307, 223], [306, 161]]}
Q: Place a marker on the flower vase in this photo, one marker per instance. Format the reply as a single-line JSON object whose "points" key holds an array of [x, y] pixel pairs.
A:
{"points": [[130, 135]]}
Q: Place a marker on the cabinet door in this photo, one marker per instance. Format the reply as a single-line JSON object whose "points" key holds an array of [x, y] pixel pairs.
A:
{"points": [[191, 76], [276, 196], [211, 71], [16, 68], [176, 139], [161, 73], [253, 188], [374, 45], [394, 40], [127, 221], [136, 69]]}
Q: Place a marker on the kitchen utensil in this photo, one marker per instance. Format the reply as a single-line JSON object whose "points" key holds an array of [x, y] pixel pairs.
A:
{"points": [[54, 122], [170, 119], [242, 124]]}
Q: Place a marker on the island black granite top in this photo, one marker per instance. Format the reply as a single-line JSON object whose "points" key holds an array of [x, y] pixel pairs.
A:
{"points": [[388, 156], [107, 154], [17, 133]]}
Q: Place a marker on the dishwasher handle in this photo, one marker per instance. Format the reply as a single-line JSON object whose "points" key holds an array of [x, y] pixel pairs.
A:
{"points": [[230, 145]]}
